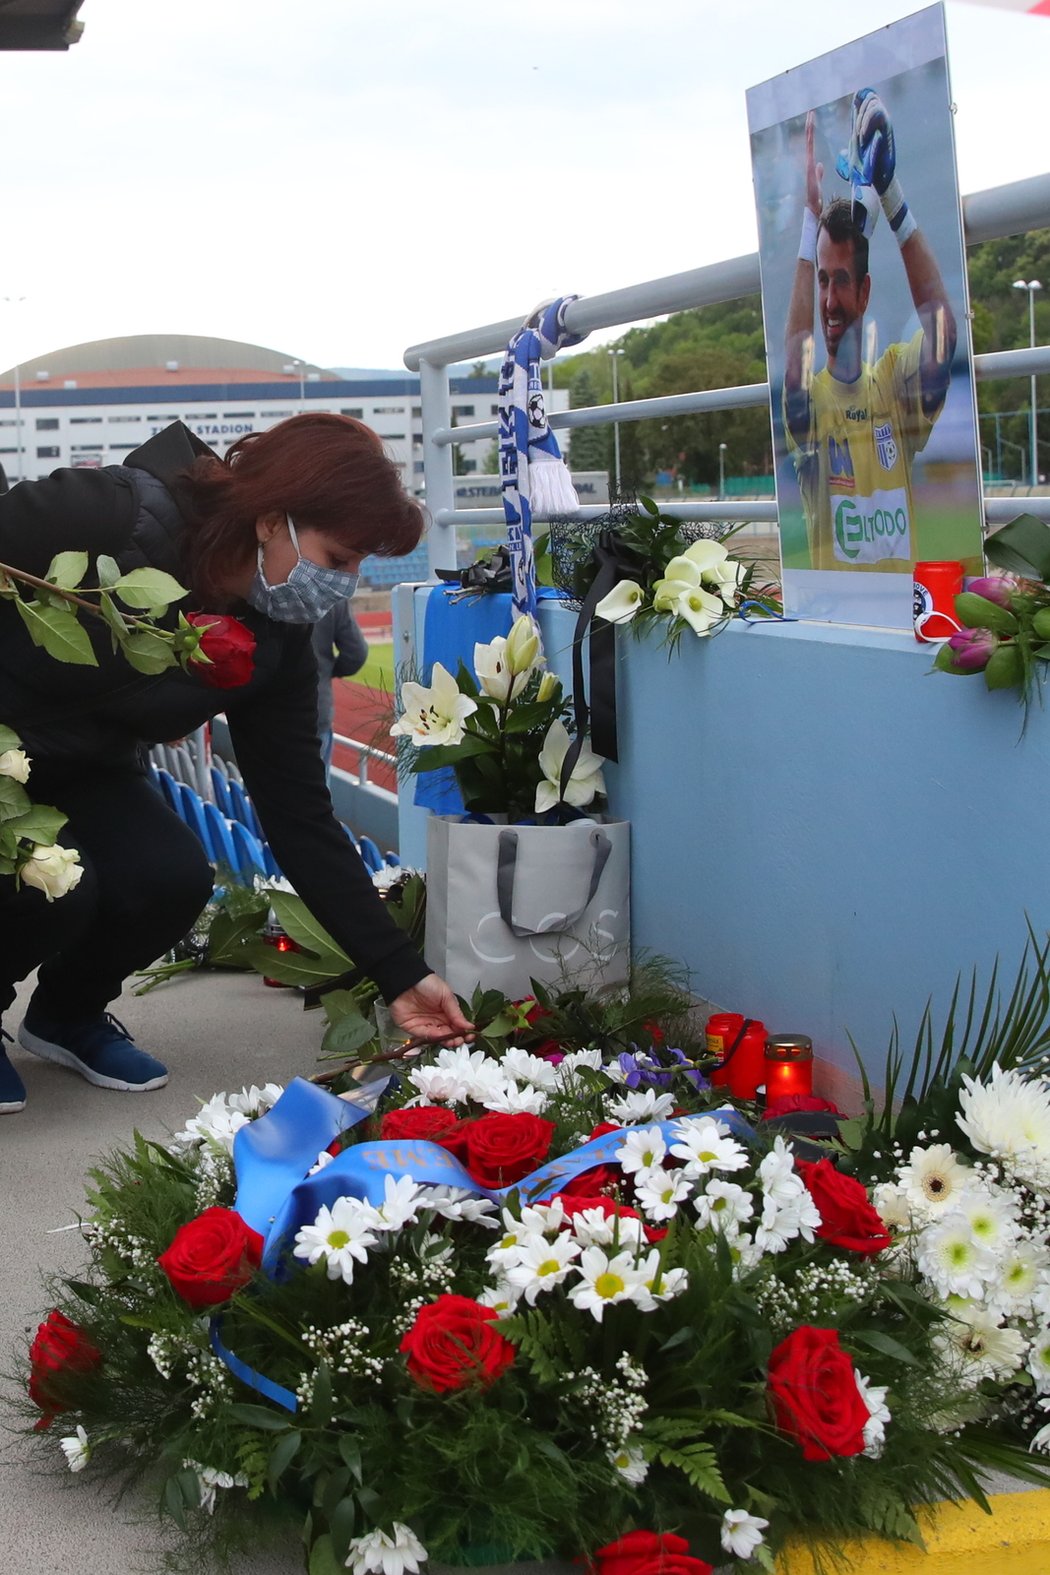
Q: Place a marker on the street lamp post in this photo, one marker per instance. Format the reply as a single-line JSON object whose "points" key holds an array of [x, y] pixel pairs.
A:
{"points": [[300, 367], [613, 357], [721, 471], [1031, 285]]}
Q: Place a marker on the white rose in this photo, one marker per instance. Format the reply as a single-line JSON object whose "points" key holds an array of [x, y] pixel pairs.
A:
{"points": [[54, 870], [14, 763]]}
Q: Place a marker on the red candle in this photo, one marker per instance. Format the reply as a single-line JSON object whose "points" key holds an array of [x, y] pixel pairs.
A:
{"points": [[281, 942], [742, 1065], [788, 1065]]}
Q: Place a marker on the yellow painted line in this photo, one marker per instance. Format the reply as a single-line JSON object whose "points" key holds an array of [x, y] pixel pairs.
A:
{"points": [[960, 1540]]}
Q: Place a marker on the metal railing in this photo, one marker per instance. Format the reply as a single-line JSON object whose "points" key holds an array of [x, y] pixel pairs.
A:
{"points": [[365, 753], [987, 215]]}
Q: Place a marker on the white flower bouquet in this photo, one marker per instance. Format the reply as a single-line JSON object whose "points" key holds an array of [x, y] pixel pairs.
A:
{"points": [[516, 1306]]}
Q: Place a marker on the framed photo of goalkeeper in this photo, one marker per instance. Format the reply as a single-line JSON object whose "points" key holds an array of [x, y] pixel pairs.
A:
{"points": [[865, 304]]}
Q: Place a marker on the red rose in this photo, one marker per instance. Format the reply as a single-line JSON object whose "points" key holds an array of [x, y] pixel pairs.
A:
{"points": [[814, 1394], [503, 1148], [847, 1217], [229, 648], [211, 1257], [453, 1343], [574, 1203], [648, 1553], [59, 1349], [593, 1181], [603, 1127], [789, 1104], [426, 1123]]}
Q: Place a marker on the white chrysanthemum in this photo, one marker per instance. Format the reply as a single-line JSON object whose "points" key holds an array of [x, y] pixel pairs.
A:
{"points": [[952, 1261], [705, 1146], [542, 1264], [254, 1101], [216, 1122], [534, 1224], [322, 1162], [782, 1222], [341, 1235], [76, 1449], [398, 1553], [991, 1219], [400, 1205], [1014, 1293], [591, 1060], [456, 1203], [632, 1465], [741, 1533], [1009, 1118], [874, 1397], [659, 1192], [605, 1280], [1039, 1360], [436, 1085], [209, 1481], [501, 1297], [659, 1286], [723, 1206], [892, 1206], [595, 1228], [636, 1106], [514, 1099], [1041, 1440], [973, 1345], [933, 1180], [642, 1150], [777, 1174], [525, 1067]]}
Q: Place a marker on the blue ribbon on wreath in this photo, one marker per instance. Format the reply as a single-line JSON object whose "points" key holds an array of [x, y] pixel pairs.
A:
{"points": [[276, 1197]]}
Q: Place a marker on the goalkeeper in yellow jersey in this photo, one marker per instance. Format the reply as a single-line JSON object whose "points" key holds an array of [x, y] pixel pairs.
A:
{"points": [[854, 427]]}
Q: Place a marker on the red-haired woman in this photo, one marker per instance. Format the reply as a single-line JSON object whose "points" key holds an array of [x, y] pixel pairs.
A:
{"points": [[273, 533]]}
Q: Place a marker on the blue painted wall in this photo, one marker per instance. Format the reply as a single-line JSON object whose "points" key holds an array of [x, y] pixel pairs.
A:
{"points": [[823, 831]]}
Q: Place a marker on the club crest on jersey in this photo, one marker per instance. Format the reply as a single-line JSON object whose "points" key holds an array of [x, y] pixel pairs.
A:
{"points": [[886, 446]]}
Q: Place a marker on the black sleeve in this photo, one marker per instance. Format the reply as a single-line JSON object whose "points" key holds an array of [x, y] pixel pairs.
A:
{"points": [[69, 511], [274, 737]]}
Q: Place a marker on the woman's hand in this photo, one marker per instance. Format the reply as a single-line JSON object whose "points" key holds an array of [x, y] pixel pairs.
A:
{"points": [[430, 1011]]}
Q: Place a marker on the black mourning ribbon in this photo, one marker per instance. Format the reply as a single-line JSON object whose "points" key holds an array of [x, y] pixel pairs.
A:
{"points": [[614, 561]]}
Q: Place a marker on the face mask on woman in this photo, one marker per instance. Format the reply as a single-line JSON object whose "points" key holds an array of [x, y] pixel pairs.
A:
{"points": [[306, 595]]}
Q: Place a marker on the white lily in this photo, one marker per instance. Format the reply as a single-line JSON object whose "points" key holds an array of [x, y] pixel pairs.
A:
{"points": [[435, 715], [585, 782], [494, 673], [524, 651], [622, 602]]}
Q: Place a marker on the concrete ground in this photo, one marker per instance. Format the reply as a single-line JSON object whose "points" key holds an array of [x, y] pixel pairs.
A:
{"points": [[214, 1031]]}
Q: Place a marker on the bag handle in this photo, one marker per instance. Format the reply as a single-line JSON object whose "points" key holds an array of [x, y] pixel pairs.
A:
{"points": [[505, 867]]}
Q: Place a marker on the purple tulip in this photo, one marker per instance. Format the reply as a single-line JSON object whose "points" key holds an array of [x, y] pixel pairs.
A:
{"points": [[994, 588], [972, 649]]}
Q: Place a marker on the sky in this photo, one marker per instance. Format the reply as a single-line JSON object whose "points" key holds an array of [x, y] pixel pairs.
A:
{"points": [[338, 180]]}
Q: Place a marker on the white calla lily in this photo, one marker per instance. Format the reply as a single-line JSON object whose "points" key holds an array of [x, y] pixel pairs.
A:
{"points": [[725, 578], [707, 555], [585, 782], [435, 715], [668, 592], [683, 569], [700, 610], [622, 602]]}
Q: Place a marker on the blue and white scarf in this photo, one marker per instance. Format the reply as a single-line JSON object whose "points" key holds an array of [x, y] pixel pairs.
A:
{"points": [[533, 476]]}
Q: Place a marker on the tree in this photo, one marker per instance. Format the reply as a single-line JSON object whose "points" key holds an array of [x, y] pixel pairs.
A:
{"points": [[588, 446]]}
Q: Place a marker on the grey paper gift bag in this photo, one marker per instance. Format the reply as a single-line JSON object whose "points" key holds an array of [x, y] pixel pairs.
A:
{"points": [[506, 904]]}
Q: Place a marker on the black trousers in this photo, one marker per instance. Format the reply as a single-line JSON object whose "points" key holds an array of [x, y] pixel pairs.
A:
{"points": [[146, 878]]}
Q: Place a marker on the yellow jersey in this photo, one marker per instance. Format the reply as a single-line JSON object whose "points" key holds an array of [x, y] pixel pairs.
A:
{"points": [[854, 463]]}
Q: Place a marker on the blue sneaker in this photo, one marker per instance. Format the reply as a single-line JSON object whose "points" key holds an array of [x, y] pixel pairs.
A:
{"points": [[100, 1049], [12, 1088]]}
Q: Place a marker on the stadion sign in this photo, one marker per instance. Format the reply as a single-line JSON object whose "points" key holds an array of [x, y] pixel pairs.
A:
{"points": [[485, 491]]}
